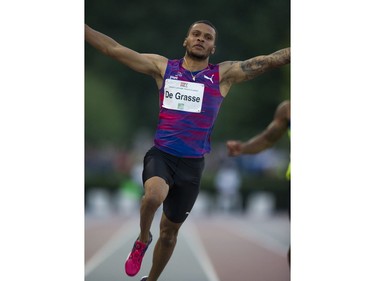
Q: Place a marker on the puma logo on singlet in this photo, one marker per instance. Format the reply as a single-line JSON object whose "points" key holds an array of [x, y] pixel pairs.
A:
{"points": [[209, 78]]}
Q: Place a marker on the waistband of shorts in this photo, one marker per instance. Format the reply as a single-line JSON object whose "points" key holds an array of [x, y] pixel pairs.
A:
{"points": [[192, 159]]}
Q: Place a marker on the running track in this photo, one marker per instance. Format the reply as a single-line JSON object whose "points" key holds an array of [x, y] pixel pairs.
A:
{"points": [[210, 248]]}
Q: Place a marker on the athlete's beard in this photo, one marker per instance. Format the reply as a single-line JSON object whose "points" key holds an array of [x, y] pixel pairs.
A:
{"points": [[195, 56]]}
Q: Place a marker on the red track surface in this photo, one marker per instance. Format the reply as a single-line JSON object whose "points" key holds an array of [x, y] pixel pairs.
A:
{"points": [[234, 255]]}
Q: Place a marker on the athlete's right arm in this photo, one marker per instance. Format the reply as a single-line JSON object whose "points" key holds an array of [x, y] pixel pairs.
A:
{"points": [[149, 64], [266, 139]]}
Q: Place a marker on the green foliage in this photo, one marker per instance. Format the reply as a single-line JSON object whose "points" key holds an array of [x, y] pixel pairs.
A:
{"points": [[105, 117], [119, 101]]}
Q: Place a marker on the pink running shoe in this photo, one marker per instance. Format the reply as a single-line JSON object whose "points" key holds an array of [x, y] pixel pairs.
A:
{"points": [[134, 261]]}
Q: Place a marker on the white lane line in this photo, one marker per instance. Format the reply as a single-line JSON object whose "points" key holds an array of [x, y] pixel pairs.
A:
{"points": [[196, 246], [124, 235]]}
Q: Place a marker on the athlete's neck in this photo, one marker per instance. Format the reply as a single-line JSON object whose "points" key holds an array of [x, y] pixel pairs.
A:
{"points": [[193, 65]]}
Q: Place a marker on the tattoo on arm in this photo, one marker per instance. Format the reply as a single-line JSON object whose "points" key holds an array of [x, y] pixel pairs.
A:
{"points": [[260, 64], [280, 57], [254, 66]]}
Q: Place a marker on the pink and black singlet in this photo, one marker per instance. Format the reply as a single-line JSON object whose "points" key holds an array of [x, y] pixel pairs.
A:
{"points": [[188, 109]]}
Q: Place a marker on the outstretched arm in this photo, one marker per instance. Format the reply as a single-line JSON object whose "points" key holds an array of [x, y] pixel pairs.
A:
{"points": [[274, 131], [232, 72], [150, 64]]}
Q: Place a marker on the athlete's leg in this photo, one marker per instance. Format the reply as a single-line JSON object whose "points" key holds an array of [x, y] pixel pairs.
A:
{"points": [[156, 190], [182, 191], [164, 247]]}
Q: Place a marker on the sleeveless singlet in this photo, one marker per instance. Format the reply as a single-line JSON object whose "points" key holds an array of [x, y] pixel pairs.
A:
{"points": [[188, 110]]}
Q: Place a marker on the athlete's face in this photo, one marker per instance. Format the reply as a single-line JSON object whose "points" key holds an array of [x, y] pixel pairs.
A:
{"points": [[200, 43]]}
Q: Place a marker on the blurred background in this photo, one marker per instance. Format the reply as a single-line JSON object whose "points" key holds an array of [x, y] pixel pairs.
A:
{"points": [[121, 106]]}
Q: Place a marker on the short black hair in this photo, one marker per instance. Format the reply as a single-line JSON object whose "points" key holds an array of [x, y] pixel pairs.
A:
{"points": [[205, 22]]}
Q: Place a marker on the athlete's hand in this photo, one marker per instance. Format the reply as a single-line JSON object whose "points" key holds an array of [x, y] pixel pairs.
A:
{"points": [[234, 147]]}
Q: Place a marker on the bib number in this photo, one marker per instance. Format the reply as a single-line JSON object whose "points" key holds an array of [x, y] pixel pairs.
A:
{"points": [[183, 96]]}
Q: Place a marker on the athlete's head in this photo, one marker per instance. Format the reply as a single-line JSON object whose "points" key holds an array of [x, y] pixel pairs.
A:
{"points": [[200, 39]]}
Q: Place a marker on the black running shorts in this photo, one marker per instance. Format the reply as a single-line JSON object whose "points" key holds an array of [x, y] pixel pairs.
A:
{"points": [[183, 175]]}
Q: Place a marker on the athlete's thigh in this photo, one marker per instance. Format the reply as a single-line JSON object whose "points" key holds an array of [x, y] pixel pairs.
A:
{"points": [[183, 194], [157, 164]]}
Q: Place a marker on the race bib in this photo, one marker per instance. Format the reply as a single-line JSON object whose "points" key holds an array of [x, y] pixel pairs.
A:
{"points": [[183, 95]]}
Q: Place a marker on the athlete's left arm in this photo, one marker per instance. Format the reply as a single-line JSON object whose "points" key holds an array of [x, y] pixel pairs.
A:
{"points": [[240, 71]]}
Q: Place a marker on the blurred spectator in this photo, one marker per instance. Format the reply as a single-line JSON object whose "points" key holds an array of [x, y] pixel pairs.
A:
{"points": [[228, 182]]}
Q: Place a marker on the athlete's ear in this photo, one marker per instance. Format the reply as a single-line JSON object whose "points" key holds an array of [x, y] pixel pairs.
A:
{"points": [[213, 50], [184, 44]]}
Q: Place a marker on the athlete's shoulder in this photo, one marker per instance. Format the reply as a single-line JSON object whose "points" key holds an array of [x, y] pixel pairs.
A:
{"points": [[225, 65]]}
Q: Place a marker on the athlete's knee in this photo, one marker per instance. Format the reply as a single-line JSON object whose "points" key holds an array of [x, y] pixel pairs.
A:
{"points": [[152, 201], [156, 190], [155, 194]]}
